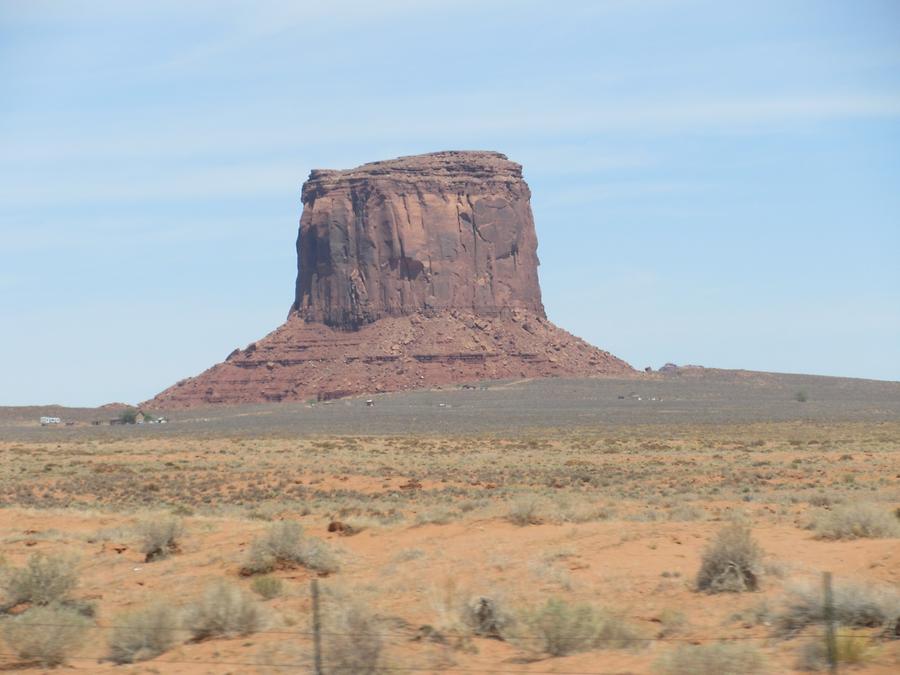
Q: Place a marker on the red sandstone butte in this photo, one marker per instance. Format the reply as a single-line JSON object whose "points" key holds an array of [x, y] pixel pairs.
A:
{"points": [[412, 272]]}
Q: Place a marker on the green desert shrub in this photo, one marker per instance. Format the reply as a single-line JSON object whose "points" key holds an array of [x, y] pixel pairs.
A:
{"points": [[857, 521], [558, 628], [43, 580], [353, 641], [267, 587], [46, 634], [223, 610], [159, 537], [284, 545], [731, 563], [855, 605], [142, 634], [715, 659]]}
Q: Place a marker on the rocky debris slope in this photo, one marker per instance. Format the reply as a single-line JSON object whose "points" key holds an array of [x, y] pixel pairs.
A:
{"points": [[414, 272], [303, 360]]}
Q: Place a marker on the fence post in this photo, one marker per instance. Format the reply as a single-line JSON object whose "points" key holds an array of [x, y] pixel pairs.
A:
{"points": [[830, 643], [317, 628]]}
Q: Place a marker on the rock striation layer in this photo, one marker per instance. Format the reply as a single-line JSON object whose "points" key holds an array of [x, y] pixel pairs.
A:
{"points": [[414, 272]]}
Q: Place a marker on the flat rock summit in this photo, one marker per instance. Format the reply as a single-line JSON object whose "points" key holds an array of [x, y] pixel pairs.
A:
{"points": [[413, 272]]}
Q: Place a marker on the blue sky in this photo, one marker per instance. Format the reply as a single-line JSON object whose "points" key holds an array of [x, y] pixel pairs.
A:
{"points": [[713, 182]]}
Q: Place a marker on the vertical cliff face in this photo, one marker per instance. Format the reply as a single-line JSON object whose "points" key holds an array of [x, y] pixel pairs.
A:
{"points": [[443, 231], [413, 272]]}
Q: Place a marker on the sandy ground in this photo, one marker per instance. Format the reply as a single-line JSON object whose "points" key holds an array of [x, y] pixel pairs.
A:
{"points": [[622, 513]]}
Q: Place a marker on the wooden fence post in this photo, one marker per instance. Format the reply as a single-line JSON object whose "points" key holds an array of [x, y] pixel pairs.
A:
{"points": [[830, 642], [317, 628]]}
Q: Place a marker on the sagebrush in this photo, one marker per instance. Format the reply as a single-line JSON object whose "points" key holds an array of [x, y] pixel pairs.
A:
{"points": [[46, 635], [731, 563], [223, 610], [143, 634], [159, 537], [558, 627], [43, 580], [285, 545]]}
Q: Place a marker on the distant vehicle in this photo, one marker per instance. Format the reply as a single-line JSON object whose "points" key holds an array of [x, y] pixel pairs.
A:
{"points": [[370, 403], [49, 420]]}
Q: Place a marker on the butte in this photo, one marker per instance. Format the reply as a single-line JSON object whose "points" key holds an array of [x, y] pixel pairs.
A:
{"points": [[412, 272]]}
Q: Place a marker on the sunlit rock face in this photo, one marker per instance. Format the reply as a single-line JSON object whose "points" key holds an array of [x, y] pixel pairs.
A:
{"points": [[448, 230]]}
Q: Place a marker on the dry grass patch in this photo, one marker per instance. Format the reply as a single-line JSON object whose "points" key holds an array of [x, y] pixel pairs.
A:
{"points": [[719, 659], [857, 521]]}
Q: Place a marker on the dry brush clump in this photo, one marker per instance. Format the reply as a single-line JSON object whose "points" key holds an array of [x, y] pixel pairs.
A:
{"points": [[159, 537], [223, 610], [353, 640], [460, 616], [720, 659], [527, 511], [857, 521], [485, 617], [42, 581], [143, 634], [732, 563], [284, 545], [558, 627], [855, 605], [46, 635]]}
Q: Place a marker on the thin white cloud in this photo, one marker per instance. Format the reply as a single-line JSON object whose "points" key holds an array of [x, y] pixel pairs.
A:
{"points": [[283, 128]]}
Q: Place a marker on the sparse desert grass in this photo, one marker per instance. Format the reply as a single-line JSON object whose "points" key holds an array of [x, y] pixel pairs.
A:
{"points": [[143, 634], [732, 562], [285, 545], [617, 508], [159, 536], [43, 580], [857, 521], [855, 605], [223, 610], [714, 659], [46, 635], [559, 627]]}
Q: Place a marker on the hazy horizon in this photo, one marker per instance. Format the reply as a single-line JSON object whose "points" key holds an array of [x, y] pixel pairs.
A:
{"points": [[712, 184]]}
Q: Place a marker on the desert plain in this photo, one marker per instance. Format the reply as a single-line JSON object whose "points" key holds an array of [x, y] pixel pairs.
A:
{"points": [[523, 526]]}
